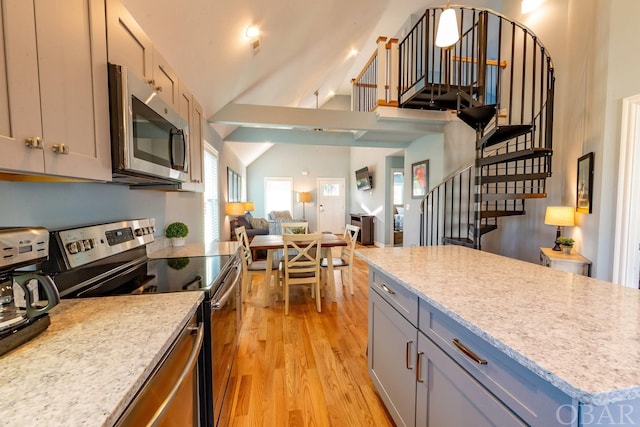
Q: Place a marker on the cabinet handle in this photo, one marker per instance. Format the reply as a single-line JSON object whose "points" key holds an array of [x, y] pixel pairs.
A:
{"points": [[61, 148], [158, 89], [34, 142], [419, 367], [151, 82], [467, 352], [407, 355], [387, 290]]}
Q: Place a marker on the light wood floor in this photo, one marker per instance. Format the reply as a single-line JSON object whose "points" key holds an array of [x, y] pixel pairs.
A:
{"points": [[307, 368]]}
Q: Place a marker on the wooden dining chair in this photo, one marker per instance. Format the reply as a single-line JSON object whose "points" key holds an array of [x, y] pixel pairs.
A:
{"points": [[295, 227], [303, 268], [251, 267], [345, 261]]}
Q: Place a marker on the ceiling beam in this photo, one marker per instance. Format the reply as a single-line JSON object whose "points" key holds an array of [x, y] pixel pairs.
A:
{"points": [[314, 137], [394, 120]]}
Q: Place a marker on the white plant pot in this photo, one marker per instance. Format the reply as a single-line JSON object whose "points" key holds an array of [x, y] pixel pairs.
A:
{"points": [[177, 241]]}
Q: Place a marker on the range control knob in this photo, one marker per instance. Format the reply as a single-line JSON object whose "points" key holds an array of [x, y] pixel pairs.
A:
{"points": [[88, 244], [139, 232], [72, 247]]}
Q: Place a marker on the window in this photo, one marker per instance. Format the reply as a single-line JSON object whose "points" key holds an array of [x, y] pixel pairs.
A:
{"points": [[398, 187], [234, 185], [211, 198], [278, 194]]}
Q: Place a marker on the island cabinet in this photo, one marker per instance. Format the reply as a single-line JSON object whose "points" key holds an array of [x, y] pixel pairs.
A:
{"points": [[392, 346], [54, 108], [431, 371]]}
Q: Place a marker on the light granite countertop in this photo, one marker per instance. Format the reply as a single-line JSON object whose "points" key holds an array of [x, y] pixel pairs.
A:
{"points": [[194, 250], [578, 333], [88, 365]]}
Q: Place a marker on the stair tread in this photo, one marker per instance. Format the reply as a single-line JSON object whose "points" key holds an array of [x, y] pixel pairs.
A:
{"points": [[492, 179], [459, 241], [502, 133], [478, 117], [486, 197], [529, 153], [496, 213]]}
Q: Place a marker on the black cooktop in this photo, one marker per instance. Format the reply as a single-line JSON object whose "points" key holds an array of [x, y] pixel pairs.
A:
{"points": [[152, 276]]}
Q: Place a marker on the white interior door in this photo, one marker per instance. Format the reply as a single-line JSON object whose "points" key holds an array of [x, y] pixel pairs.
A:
{"points": [[331, 205]]}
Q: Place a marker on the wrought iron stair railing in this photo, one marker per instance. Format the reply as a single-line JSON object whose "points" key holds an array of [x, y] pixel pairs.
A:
{"points": [[508, 101]]}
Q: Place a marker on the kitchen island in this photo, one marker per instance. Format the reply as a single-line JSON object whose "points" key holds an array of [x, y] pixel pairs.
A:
{"points": [[88, 365], [546, 346]]}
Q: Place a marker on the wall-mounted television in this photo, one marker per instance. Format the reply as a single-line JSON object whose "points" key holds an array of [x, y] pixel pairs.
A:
{"points": [[364, 180]]}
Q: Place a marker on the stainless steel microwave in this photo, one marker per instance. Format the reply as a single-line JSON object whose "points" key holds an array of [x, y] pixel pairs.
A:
{"points": [[149, 140]]}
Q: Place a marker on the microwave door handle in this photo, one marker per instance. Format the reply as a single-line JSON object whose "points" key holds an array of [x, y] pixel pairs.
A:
{"points": [[179, 132]]}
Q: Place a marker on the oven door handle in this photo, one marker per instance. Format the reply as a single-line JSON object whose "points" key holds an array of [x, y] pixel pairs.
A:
{"points": [[191, 362], [220, 302]]}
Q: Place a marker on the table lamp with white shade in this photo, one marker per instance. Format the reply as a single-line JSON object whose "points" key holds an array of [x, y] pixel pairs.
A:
{"points": [[560, 216]]}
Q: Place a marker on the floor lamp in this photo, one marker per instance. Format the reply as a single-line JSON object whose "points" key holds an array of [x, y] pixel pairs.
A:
{"points": [[304, 197]]}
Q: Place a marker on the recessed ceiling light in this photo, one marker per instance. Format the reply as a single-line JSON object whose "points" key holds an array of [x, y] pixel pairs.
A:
{"points": [[252, 32], [353, 52]]}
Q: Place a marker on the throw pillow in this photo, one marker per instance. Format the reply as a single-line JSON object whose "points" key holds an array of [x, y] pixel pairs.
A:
{"points": [[248, 216], [242, 221], [259, 223]]}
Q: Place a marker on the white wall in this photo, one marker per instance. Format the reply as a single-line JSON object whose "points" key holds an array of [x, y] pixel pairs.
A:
{"points": [[288, 160], [372, 202], [430, 147]]}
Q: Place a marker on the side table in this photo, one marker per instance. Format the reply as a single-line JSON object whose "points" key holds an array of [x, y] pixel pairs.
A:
{"points": [[572, 263]]}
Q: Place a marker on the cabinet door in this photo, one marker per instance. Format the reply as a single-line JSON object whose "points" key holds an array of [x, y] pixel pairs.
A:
{"points": [[165, 81], [127, 44], [447, 395], [72, 60], [197, 147], [391, 358], [19, 89]]}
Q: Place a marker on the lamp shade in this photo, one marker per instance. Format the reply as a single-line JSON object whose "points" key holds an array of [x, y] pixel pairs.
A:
{"points": [[447, 34], [249, 206], [304, 197], [562, 216], [234, 208]]}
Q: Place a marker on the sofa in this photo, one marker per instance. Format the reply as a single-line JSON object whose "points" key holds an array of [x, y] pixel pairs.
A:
{"points": [[254, 226], [276, 218]]}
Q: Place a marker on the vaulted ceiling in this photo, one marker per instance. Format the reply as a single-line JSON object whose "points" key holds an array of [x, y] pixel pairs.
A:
{"points": [[305, 45]]}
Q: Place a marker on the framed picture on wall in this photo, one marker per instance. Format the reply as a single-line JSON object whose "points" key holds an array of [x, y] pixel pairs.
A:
{"points": [[419, 179], [584, 183]]}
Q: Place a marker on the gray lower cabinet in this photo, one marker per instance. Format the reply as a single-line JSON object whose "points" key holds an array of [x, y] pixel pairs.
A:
{"points": [[447, 395], [392, 358], [431, 371]]}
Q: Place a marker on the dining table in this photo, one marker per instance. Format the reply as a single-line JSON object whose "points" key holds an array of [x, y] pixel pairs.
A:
{"points": [[274, 242]]}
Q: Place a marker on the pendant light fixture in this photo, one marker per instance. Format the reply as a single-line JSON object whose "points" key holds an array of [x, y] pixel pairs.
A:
{"points": [[447, 34]]}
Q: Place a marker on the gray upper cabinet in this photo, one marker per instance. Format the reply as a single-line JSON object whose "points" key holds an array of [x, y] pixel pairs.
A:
{"points": [[129, 45], [54, 112]]}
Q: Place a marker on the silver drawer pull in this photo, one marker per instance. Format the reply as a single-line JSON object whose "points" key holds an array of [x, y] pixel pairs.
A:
{"points": [[419, 368], [407, 355], [387, 290], [34, 142], [61, 148], [467, 352]]}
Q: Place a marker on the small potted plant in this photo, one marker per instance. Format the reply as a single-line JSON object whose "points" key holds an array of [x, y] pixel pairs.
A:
{"points": [[566, 243], [176, 231]]}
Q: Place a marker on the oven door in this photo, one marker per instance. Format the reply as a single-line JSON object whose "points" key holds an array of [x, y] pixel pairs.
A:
{"points": [[226, 313]]}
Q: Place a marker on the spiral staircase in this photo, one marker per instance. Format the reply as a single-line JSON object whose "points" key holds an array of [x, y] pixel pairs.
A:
{"points": [[499, 80]]}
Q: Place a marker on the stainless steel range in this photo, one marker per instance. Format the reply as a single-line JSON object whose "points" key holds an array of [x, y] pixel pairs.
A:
{"points": [[111, 259]]}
